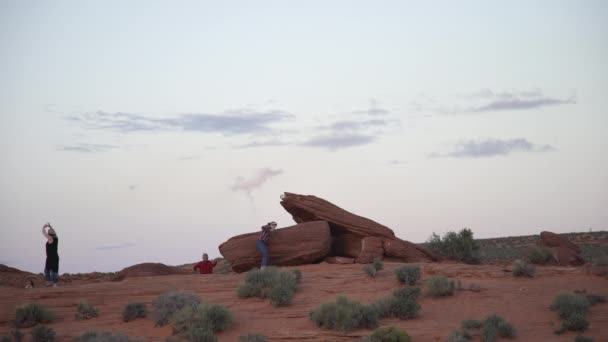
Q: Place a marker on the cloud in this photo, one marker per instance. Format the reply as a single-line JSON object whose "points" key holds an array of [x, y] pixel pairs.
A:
{"points": [[349, 125], [229, 123], [263, 143], [114, 247], [133, 187], [336, 142], [374, 109], [86, 148], [397, 162], [492, 147], [190, 158], [261, 176], [487, 100]]}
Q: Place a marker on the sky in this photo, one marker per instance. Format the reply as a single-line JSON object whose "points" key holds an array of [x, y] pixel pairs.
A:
{"points": [[153, 131]]}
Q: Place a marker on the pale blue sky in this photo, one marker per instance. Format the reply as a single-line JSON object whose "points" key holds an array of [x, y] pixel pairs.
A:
{"points": [[155, 130]]}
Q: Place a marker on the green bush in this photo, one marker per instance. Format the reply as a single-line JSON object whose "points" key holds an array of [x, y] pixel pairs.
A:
{"points": [[492, 328], [94, 336], [200, 334], [29, 315], [594, 299], [85, 310], [458, 336], [43, 334], [440, 286], [408, 274], [457, 246], [581, 338], [134, 310], [345, 315], [378, 264], [369, 270], [15, 336], [279, 286], [388, 334], [169, 303], [523, 269], [471, 324], [539, 255], [201, 320], [252, 338], [575, 322], [402, 304], [568, 304]]}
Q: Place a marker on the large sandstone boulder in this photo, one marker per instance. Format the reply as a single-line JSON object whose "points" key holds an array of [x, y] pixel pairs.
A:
{"points": [[565, 252], [349, 231], [305, 208], [304, 243]]}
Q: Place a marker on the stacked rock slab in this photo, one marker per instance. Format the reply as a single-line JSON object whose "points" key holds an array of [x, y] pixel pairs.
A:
{"points": [[352, 235], [304, 243], [565, 252]]}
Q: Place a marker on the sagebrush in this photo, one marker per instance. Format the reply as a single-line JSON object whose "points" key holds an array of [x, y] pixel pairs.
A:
{"points": [[167, 304], [133, 311], [388, 334], [440, 286], [456, 246], [539, 255], [523, 269], [201, 320], [408, 274], [85, 310], [29, 315], [279, 286], [104, 336], [43, 334], [345, 315]]}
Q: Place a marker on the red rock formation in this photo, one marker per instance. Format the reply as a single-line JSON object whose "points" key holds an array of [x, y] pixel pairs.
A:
{"points": [[565, 252], [349, 230], [339, 260], [305, 208], [371, 248], [304, 243], [148, 269]]}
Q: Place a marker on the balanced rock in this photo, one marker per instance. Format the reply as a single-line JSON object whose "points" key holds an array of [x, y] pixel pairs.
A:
{"points": [[304, 243], [348, 231], [565, 252]]}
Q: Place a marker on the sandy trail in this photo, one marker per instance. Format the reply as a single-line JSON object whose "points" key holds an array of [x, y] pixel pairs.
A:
{"points": [[523, 302]]}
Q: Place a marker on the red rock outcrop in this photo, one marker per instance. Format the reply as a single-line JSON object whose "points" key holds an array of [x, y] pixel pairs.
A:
{"points": [[148, 269], [304, 243], [565, 252], [348, 231]]}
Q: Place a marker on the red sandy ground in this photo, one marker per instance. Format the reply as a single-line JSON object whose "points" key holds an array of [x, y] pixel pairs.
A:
{"points": [[523, 302]]}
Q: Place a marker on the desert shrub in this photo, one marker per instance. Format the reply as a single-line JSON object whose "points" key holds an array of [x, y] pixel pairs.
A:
{"points": [[15, 336], [457, 246], [402, 304], [252, 338], [279, 286], [575, 322], [94, 336], [440, 286], [198, 321], [85, 310], [523, 269], [539, 255], [345, 315], [601, 260], [370, 270], [568, 304], [132, 311], [471, 324], [492, 328], [388, 334], [29, 315], [408, 274], [200, 334], [378, 264], [169, 303], [581, 338], [43, 334], [458, 336], [594, 299]]}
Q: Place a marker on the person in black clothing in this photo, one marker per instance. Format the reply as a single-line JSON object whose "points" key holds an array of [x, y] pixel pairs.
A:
{"points": [[51, 267]]}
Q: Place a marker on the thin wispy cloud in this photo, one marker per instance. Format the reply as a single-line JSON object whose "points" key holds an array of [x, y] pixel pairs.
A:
{"points": [[336, 142], [374, 109], [228, 123], [491, 148], [263, 143], [186, 158], [133, 187], [261, 176], [487, 100], [114, 247], [86, 148], [397, 162]]}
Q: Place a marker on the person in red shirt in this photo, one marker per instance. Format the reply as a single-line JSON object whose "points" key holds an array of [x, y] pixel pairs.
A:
{"points": [[205, 266]]}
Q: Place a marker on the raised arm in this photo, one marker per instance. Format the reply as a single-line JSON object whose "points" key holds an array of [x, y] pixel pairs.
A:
{"points": [[46, 235]]}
